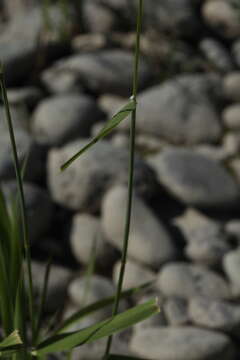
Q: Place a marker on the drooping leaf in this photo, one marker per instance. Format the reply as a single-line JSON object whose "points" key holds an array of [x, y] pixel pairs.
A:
{"points": [[122, 114], [86, 311], [67, 341]]}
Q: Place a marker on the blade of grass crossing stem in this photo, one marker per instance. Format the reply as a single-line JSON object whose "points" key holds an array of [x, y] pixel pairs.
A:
{"points": [[67, 341], [21, 194], [6, 300], [81, 314], [131, 169], [123, 357], [122, 114], [16, 258], [43, 301], [89, 272]]}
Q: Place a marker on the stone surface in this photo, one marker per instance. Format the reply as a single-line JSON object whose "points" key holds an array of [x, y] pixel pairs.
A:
{"points": [[28, 96], [176, 311], [84, 183], [195, 180], [107, 71], [180, 110], [149, 241], [38, 205], [64, 118], [231, 86], [19, 45], [171, 16], [98, 18], [231, 265], [26, 147], [233, 228], [231, 143], [87, 240], [183, 343], [231, 117], [216, 54], [222, 17], [188, 280], [136, 274], [215, 314], [236, 52]]}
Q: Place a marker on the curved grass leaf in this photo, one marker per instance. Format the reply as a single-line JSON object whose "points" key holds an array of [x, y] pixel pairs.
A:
{"points": [[122, 114], [67, 341], [86, 311]]}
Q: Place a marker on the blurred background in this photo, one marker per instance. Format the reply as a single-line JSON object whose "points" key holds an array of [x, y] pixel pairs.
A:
{"points": [[68, 67]]}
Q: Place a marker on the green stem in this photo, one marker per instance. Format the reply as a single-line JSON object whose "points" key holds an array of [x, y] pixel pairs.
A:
{"points": [[131, 171], [23, 211]]}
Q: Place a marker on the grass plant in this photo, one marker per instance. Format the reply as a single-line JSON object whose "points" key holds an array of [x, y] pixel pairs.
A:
{"points": [[18, 313]]}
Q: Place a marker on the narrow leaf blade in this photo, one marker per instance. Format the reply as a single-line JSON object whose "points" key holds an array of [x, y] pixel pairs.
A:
{"points": [[100, 330], [123, 357], [122, 114], [12, 340], [86, 311]]}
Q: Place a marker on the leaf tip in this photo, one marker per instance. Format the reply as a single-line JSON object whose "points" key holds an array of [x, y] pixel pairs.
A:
{"points": [[16, 337]]}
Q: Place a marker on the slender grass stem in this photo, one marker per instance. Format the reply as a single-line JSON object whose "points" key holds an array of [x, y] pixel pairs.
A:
{"points": [[26, 243], [131, 171]]}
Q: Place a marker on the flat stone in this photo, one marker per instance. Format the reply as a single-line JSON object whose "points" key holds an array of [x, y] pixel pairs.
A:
{"points": [[106, 71], [195, 179], [83, 184], [180, 110], [215, 314], [231, 265], [222, 16], [61, 119], [187, 280], [87, 240], [176, 311], [158, 248], [231, 86], [231, 117], [182, 343]]}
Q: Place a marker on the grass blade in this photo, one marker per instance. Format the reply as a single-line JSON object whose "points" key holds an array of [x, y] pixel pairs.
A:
{"points": [[122, 114], [131, 169], [81, 314], [21, 194], [12, 340], [43, 301], [67, 341], [123, 357]]}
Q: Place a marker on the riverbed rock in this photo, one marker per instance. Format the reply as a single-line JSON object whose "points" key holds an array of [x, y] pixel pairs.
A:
{"points": [[106, 71], [149, 240], [195, 179], [182, 343], [180, 110], [61, 119], [189, 280]]}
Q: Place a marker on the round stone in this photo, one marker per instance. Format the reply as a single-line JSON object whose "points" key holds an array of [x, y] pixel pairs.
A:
{"points": [[195, 179]]}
